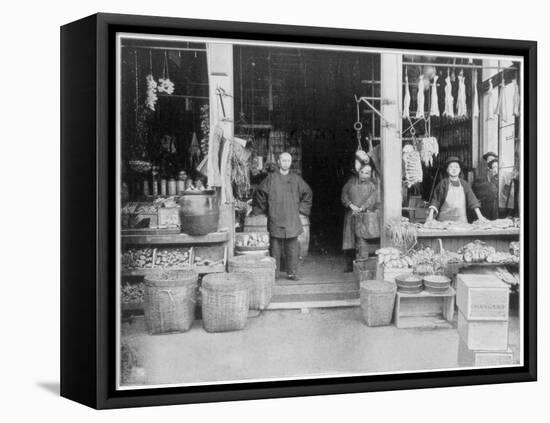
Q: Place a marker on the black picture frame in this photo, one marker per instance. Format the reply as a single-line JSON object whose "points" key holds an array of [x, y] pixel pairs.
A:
{"points": [[88, 211]]}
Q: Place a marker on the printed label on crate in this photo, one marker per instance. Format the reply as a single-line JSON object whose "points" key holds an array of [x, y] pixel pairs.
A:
{"points": [[484, 303]]}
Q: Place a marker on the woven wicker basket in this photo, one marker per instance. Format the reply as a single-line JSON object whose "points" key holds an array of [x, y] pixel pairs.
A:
{"points": [[377, 301], [225, 302], [262, 277], [169, 300]]}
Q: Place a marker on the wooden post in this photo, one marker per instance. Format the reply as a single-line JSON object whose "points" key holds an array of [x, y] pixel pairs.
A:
{"points": [[391, 93], [220, 76]]}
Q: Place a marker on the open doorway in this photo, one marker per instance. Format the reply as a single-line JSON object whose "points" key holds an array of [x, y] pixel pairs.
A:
{"points": [[303, 101]]}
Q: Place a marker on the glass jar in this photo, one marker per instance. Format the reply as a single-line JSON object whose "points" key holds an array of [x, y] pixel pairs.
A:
{"points": [[172, 187]]}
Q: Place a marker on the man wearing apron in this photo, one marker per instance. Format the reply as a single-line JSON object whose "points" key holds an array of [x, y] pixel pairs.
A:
{"points": [[453, 196]]}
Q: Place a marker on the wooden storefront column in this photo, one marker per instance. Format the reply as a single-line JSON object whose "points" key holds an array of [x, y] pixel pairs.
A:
{"points": [[220, 75], [391, 93]]}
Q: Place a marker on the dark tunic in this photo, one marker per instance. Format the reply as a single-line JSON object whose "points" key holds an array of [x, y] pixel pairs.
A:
{"points": [[361, 194], [283, 198], [442, 189]]}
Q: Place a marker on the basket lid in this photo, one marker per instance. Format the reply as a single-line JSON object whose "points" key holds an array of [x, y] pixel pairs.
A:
{"points": [[165, 277], [408, 278], [226, 282], [437, 279], [378, 286]]}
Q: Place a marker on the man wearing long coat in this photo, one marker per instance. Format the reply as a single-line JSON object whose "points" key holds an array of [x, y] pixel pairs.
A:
{"points": [[283, 196]]}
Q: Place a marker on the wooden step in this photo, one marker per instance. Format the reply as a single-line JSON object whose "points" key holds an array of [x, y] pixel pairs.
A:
{"points": [[326, 288]]}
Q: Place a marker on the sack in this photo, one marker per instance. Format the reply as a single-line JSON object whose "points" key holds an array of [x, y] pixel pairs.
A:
{"points": [[367, 224]]}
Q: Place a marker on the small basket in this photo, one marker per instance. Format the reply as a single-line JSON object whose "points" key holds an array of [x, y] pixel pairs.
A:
{"points": [[225, 301], [262, 277], [169, 300], [409, 283], [437, 284], [377, 302]]}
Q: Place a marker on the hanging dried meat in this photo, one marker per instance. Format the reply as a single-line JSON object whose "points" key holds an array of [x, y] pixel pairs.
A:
{"points": [[434, 109], [502, 106], [449, 100], [475, 107], [407, 99], [413, 167], [420, 98], [492, 107], [429, 148], [516, 99], [462, 110]]}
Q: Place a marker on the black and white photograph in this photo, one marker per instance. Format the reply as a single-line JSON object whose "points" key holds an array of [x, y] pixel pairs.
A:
{"points": [[291, 210]]}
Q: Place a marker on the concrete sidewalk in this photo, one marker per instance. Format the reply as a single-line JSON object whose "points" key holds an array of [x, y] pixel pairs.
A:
{"points": [[290, 343]]}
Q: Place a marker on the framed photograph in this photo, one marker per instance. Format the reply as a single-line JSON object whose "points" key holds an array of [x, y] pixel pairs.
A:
{"points": [[259, 211]]}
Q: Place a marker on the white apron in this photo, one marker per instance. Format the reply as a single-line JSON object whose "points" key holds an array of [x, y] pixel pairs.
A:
{"points": [[454, 207]]}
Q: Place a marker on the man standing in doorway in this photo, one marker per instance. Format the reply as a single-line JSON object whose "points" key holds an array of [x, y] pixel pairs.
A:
{"points": [[283, 196]]}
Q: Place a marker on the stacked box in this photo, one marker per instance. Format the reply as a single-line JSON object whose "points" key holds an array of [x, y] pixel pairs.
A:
{"points": [[483, 313], [473, 358]]}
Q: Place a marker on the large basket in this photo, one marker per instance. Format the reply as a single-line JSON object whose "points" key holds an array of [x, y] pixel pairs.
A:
{"points": [[169, 300], [377, 301], [262, 277], [225, 302]]}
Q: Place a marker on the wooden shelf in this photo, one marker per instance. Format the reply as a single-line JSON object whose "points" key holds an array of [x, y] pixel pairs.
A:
{"points": [[201, 270], [444, 233], [425, 309], [180, 238]]}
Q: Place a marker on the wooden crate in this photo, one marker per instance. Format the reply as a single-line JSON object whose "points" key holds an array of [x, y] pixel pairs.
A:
{"points": [[483, 334], [482, 297], [480, 358], [424, 310]]}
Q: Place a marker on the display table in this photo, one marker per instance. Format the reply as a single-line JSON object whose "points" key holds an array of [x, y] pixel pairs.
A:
{"points": [[425, 309], [454, 240]]}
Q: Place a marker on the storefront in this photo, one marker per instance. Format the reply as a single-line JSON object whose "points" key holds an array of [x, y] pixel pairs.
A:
{"points": [[321, 107]]}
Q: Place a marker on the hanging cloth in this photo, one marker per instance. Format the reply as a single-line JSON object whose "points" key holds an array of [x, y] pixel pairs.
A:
{"points": [[449, 100], [407, 99], [502, 106], [420, 98], [492, 107], [434, 109], [517, 101], [461, 108], [475, 106]]}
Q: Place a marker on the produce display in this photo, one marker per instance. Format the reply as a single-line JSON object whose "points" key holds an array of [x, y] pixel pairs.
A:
{"points": [[252, 239], [172, 257], [511, 278], [393, 258], [403, 233], [200, 262], [137, 258], [514, 248], [479, 252], [496, 224], [132, 293]]}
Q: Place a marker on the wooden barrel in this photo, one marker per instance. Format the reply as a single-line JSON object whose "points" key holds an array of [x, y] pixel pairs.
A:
{"points": [[199, 213], [259, 223]]}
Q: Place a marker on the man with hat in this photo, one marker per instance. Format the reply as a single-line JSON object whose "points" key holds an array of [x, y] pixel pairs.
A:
{"points": [[490, 156], [453, 196]]}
